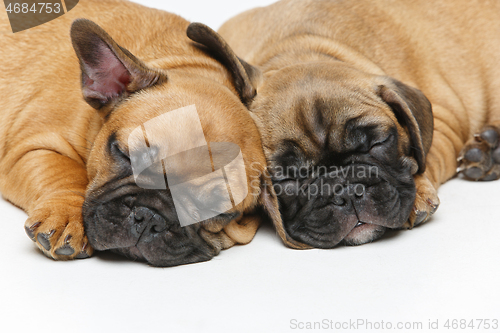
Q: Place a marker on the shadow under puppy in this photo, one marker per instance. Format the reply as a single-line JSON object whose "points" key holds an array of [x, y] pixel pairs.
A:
{"points": [[353, 144], [66, 160]]}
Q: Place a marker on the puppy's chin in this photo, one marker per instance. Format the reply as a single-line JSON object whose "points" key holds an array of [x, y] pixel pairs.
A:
{"points": [[364, 233], [143, 225], [157, 256], [361, 234]]}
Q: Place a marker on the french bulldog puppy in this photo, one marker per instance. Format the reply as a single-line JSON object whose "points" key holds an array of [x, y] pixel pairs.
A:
{"points": [[73, 92], [364, 107]]}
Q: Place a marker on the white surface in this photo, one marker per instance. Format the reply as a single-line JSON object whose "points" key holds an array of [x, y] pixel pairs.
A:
{"points": [[212, 13], [447, 268]]}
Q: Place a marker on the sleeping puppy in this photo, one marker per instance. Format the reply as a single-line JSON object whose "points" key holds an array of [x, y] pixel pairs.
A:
{"points": [[364, 106], [72, 98]]}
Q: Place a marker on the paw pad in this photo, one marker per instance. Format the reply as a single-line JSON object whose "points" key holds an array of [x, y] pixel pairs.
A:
{"points": [[65, 250], [44, 240]]}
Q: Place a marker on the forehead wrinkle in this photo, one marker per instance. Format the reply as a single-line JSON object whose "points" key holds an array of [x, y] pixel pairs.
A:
{"points": [[318, 117], [306, 116]]}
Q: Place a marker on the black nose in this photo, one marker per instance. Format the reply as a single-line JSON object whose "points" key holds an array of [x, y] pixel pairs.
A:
{"points": [[148, 223], [143, 214]]}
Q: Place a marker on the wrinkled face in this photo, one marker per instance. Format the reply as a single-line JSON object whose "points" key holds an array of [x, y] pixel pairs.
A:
{"points": [[340, 155], [126, 214]]}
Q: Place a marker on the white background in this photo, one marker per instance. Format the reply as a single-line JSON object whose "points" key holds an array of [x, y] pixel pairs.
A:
{"points": [[445, 269]]}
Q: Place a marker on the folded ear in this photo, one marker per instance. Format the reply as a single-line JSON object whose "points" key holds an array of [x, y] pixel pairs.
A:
{"points": [[269, 202], [414, 112], [109, 72], [245, 76]]}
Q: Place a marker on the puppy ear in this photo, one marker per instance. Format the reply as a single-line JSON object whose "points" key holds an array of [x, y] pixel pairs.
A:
{"points": [[269, 202], [414, 112], [245, 76], [109, 72]]}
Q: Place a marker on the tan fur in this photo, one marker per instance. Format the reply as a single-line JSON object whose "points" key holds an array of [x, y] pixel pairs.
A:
{"points": [[52, 143], [448, 49]]}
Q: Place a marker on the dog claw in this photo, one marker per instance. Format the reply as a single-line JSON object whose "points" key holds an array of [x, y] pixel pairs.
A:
{"points": [[433, 205], [44, 240], [65, 250], [420, 217], [67, 239], [30, 234], [83, 254], [31, 230]]}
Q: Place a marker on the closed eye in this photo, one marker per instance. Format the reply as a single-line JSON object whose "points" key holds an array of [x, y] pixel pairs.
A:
{"points": [[382, 142], [118, 152]]}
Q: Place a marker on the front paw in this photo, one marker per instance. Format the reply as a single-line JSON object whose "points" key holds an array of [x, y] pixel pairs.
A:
{"points": [[426, 202], [480, 156], [57, 229]]}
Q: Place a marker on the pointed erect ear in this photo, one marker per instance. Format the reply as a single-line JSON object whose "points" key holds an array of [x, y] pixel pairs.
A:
{"points": [[245, 76], [109, 72], [414, 112], [269, 202]]}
